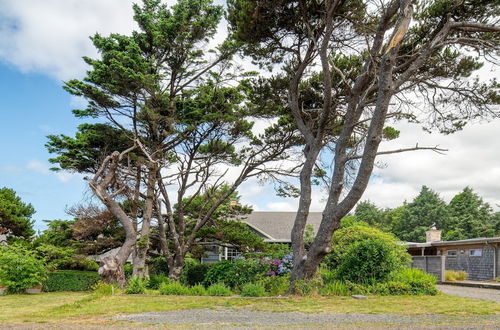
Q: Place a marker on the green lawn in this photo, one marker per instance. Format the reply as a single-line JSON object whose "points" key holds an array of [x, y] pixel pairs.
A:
{"points": [[85, 307]]}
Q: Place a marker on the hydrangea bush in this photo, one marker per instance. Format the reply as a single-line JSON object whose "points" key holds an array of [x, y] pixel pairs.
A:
{"points": [[279, 267]]}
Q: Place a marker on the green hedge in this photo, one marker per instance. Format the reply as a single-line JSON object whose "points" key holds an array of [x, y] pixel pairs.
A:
{"points": [[70, 280]]}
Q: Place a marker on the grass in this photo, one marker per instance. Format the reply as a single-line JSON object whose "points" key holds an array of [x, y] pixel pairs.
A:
{"points": [[85, 307]]}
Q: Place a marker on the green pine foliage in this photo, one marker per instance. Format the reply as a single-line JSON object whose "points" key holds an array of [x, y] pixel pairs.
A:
{"points": [[15, 215]]}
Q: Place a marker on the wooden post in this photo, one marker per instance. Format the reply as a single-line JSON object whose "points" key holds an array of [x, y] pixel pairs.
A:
{"points": [[443, 266]]}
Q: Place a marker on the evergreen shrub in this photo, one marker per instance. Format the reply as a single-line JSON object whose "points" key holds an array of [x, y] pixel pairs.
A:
{"points": [[70, 280]]}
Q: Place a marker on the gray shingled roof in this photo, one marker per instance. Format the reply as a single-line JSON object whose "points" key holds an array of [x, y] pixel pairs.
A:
{"points": [[277, 226]]}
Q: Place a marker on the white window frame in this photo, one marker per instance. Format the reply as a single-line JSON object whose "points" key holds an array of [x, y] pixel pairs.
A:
{"points": [[472, 254]]}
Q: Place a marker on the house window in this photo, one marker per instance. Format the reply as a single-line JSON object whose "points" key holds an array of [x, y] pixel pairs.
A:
{"points": [[476, 252], [451, 253], [232, 253]]}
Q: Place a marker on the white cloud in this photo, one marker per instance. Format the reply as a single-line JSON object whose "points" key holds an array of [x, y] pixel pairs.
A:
{"points": [[281, 206], [51, 36], [472, 159], [38, 167], [44, 168]]}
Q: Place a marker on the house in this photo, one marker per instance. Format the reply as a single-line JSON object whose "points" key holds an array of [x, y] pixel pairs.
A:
{"points": [[273, 227], [479, 257]]}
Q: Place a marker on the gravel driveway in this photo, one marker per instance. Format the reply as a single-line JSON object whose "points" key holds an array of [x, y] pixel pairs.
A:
{"points": [[229, 318], [467, 292]]}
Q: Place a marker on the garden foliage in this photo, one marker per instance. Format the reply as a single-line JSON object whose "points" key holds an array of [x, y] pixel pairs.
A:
{"points": [[70, 280], [20, 269]]}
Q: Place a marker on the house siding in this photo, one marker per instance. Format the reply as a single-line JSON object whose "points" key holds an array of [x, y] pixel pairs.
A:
{"points": [[479, 268], [429, 264]]}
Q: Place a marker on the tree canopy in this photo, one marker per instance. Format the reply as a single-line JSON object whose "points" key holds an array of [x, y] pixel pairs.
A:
{"points": [[15, 215]]}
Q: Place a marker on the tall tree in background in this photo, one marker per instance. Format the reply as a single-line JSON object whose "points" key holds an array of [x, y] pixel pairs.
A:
{"points": [[179, 105], [370, 213], [369, 62], [471, 217], [15, 216], [419, 216]]}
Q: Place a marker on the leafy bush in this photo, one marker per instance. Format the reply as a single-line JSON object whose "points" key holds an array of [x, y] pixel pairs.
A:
{"points": [[234, 273], [345, 237], [136, 285], [370, 260], [128, 270], [335, 288], [452, 275], [197, 290], [58, 257], [156, 280], [194, 274], [173, 289], [20, 269], [419, 281], [279, 266], [275, 285], [253, 290], [276, 251], [391, 288], [70, 280], [327, 275], [219, 289], [158, 266]]}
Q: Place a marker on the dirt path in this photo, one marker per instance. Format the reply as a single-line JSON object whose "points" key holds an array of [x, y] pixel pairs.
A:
{"points": [[245, 319], [476, 293]]}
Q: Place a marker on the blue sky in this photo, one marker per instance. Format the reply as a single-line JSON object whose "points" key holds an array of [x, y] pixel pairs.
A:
{"points": [[41, 45], [33, 106]]}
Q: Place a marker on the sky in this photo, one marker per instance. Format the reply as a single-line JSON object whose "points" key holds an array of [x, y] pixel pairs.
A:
{"points": [[41, 45]]}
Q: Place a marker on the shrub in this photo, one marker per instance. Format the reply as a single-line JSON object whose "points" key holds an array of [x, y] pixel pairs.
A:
{"points": [[173, 289], [136, 285], [58, 257], [391, 288], [253, 290], [335, 288], [219, 289], [197, 290], [370, 260], [327, 275], [345, 237], [194, 274], [279, 266], [104, 289], [356, 288], [158, 266], [276, 251], [452, 275], [234, 273], [156, 280], [70, 280], [419, 281], [275, 285], [128, 270], [303, 288], [20, 269]]}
